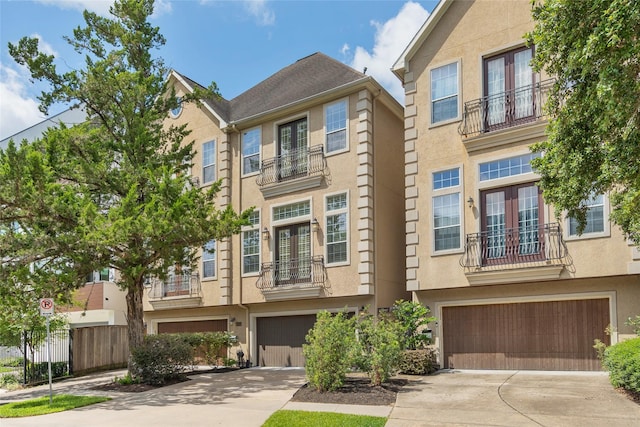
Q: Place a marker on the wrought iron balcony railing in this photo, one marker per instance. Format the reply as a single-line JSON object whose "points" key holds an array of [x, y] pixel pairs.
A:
{"points": [[295, 164], [515, 247], [302, 273], [184, 285], [506, 109]]}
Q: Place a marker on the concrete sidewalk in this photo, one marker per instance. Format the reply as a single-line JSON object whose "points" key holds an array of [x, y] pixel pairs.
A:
{"points": [[449, 398], [245, 397]]}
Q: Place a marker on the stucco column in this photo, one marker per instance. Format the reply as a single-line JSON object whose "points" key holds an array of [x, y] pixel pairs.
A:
{"points": [[410, 184]]}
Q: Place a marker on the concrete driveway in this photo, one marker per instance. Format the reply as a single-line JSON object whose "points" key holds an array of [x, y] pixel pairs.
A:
{"points": [[513, 398]]}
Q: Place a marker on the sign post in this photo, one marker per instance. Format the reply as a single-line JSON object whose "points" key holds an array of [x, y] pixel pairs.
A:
{"points": [[46, 310]]}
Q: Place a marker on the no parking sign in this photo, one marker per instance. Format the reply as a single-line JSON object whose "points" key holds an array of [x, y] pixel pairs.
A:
{"points": [[46, 306]]}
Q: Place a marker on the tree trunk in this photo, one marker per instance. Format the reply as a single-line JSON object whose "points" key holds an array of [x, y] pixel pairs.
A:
{"points": [[135, 323]]}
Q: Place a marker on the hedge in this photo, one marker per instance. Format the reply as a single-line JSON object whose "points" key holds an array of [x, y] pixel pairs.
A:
{"points": [[622, 360]]}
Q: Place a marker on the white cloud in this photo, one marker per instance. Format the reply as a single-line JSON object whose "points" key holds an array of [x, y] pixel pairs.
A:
{"points": [[17, 109], [345, 49], [391, 38], [261, 11]]}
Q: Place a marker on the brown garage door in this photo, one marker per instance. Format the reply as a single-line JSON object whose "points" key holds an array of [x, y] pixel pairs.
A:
{"points": [[280, 339], [192, 326], [552, 335]]}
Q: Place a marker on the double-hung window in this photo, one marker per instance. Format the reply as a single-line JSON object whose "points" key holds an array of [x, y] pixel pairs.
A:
{"points": [[447, 224], [251, 151], [209, 260], [595, 217], [445, 93], [336, 228], [335, 116], [251, 245], [208, 162]]}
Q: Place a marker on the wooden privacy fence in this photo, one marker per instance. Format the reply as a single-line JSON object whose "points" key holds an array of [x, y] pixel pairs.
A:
{"points": [[98, 347]]}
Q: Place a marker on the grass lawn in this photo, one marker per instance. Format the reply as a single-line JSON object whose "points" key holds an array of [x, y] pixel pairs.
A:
{"points": [[285, 418], [40, 406]]}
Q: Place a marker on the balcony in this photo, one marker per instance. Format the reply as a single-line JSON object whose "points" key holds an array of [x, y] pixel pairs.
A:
{"points": [[176, 291], [296, 170], [505, 110], [292, 279], [515, 255]]}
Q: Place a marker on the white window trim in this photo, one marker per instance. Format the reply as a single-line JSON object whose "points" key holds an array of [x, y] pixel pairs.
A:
{"points": [[507, 180], [215, 263], [257, 227], [606, 232], [244, 174], [348, 225], [282, 222], [457, 189], [214, 164], [324, 127], [459, 116]]}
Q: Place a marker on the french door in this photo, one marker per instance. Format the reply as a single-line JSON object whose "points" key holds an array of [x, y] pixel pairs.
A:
{"points": [[512, 224], [508, 88], [293, 254], [292, 149]]}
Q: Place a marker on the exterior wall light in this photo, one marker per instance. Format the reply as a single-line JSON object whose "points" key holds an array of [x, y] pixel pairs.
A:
{"points": [[265, 234], [315, 225]]}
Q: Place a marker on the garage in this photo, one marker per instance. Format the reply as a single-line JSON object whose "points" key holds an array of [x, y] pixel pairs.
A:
{"points": [[192, 326], [548, 335], [280, 339]]}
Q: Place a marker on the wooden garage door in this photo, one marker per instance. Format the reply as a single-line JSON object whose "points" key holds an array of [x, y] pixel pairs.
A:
{"points": [[280, 339], [192, 326], [552, 335]]}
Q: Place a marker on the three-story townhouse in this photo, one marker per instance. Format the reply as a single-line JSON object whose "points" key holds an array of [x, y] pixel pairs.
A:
{"points": [[316, 149], [512, 284]]}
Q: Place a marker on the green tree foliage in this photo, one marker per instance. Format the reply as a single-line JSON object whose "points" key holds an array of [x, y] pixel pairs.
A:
{"points": [[414, 318], [329, 350], [114, 191], [593, 146], [380, 345]]}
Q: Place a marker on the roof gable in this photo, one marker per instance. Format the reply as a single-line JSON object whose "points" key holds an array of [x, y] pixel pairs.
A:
{"points": [[419, 39], [305, 78]]}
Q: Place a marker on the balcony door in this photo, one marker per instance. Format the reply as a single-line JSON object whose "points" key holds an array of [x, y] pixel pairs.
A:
{"points": [[292, 149], [293, 254], [508, 88], [512, 224]]}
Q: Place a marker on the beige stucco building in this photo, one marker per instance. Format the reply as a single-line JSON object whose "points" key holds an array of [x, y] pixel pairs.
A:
{"points": [[512, 284], [317, 150]]}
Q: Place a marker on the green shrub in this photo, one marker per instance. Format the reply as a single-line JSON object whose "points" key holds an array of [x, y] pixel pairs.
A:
{"points": [[622, 360], [12, 362], [418, 362], [161, 358], [634, 322], [379, 347], [328, 350], [40, 370], [414, 318], [9, 381], [126, 380]]}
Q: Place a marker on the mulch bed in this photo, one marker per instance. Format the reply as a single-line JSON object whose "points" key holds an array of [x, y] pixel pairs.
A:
{"points": [[633, 396], [355, 391]]}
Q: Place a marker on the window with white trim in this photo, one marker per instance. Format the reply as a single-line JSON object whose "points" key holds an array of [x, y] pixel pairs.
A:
{"points": [[251, 245], [103, 275], [209, 260], [503, 168], [595, 217], [251, 151], [208, 162], [444, 93], [291, 211], [336, 228], [335, 117], [447, 224]]}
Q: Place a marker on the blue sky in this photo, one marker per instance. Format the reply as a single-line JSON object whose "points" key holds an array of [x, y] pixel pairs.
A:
{"points": [[235, 43]]}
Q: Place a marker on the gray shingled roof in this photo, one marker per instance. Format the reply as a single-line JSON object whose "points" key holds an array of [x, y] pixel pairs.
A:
{"points": [[305, 78], [309, 76]]}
